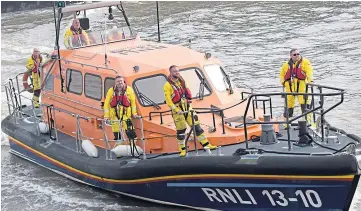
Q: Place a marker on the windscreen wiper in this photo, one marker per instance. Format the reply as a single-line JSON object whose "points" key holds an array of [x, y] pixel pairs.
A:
{"points": [[228, 80], [201, 89], [148, 100], [201, 86]]}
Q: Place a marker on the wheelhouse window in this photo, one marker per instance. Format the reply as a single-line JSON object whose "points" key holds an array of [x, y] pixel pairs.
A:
{"points": [[93, 86], [196, 82], [108, 82], [49, 83], [74, 81], [218, 77], [149, 90]]}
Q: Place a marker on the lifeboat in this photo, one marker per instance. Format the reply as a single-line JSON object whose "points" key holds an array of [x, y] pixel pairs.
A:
{"points": [[258, 164]]}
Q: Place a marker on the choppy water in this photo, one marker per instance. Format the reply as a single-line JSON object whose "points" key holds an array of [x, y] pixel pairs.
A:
{"points": [[251, 38]]}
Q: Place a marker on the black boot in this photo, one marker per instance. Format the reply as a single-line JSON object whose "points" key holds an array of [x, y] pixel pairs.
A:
{"points": [[290, 112], [116, 135]]}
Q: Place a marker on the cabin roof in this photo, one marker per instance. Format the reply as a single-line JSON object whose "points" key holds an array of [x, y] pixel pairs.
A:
{"points": [[149, 56]]}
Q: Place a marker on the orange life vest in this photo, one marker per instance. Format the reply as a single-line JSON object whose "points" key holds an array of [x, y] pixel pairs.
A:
{"points": [[295, 72], [120, 98], [36, 65], [180, 92]]}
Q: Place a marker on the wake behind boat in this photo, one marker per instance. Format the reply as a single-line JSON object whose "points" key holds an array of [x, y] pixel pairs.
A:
{"points": [[258, 164]]}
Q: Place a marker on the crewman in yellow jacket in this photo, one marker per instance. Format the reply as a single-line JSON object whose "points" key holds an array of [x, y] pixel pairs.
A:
{"points": [[294, 75], [120, 105], [78, 36], [179, 98], [33, 65]]}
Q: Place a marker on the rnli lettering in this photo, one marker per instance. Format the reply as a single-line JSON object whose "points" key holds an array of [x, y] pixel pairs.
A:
{"points": [[309, 198], [231, 195]]}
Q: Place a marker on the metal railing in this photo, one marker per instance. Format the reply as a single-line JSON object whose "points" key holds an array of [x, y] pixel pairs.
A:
{"points": [[14, 99], [213, 110], [123, 137], [288, 119], [15, 106]]}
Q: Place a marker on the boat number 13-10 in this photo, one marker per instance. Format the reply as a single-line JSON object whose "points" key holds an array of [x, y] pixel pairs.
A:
{"points": [[310, 197]]}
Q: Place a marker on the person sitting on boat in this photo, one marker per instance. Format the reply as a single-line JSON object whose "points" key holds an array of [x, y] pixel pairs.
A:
{"points": [[179, 98], [75, 36], [33, 65], [120, 105], [294, 75]]}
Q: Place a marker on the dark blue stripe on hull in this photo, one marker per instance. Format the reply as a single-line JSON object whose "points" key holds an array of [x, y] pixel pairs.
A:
{"points": [[227, 194]]}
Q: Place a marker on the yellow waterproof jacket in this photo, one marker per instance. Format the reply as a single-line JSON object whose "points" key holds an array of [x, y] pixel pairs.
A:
{"points": [[30, 63], [169, 92], [305, 66], [69, 33], [110, 112]]}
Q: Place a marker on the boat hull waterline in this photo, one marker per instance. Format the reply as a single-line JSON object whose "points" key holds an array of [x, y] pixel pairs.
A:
{"points": [[217, 191]]}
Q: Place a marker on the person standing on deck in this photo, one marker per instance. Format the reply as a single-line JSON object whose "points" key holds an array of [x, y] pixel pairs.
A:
{"points": [[120, 105], [179, 98], [294, 75], [33, 65]]}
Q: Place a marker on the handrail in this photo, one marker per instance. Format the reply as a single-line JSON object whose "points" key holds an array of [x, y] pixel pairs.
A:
{"points": [[88, 65], [104, 123], [210, 110], [67, 112], [87, 6], [288, 121], [11, 92]]}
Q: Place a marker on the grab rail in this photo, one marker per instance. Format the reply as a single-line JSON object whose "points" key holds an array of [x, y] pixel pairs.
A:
{"points": [[122, 137], [88, 65], [211, 110], [288, 121], [14, 102]]}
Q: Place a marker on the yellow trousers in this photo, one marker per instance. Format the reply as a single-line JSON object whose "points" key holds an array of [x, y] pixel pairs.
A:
{"points": [[298, 86], [37, 88], [36, 80], [114, 119], [181, 121], [124, 117]]}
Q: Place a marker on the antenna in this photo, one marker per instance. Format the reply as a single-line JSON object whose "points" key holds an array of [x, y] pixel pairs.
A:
{"points": [[158, 22], [105, 41], [189, 23], [57, 32]]}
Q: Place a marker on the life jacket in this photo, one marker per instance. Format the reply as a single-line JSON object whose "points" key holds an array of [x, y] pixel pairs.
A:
{"points": [[295, 72], [120, 98], [36, 65], [76, 35], [180, 92]]}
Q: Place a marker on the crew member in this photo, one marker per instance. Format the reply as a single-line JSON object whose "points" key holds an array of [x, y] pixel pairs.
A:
{"points": [[120, 105], [179, 98], [294, 75], [33, 65], [75, 36]]}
